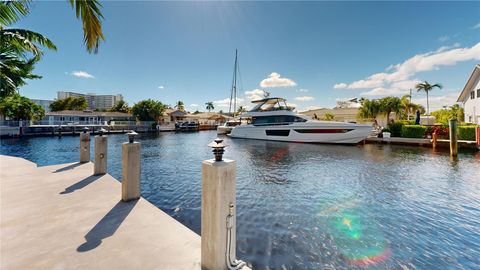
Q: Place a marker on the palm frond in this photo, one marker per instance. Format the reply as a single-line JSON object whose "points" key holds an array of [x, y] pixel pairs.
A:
{"points": [[89, 12], [22, 40], [12, 11]]}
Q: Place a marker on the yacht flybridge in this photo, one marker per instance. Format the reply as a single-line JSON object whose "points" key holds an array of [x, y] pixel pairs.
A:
{"points": [[273, 119]]}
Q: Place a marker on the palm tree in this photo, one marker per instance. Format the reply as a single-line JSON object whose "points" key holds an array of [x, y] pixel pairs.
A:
{"points": [[389, 105], [180, 105], [369, 109], [209, 106], [425, 86], [241, 110], [17, 45]]}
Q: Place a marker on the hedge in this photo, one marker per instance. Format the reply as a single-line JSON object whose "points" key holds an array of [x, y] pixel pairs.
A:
{"points": [[413, 131], [466, 133], [395, 129]]}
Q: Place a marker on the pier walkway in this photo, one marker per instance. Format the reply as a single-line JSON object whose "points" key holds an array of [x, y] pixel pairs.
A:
{"points": [[62, 217]]}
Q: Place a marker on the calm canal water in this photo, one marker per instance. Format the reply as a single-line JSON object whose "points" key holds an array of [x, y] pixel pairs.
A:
{"points": [[303, 206]]}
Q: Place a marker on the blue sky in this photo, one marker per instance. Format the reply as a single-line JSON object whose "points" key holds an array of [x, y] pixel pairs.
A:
{"points": [[312, 53]]}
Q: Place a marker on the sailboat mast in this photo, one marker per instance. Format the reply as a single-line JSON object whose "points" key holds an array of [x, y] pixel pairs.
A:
{"points": [[235, 85]]}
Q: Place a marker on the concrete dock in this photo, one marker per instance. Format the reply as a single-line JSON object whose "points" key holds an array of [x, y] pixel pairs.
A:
{"points": [[62, 217]]}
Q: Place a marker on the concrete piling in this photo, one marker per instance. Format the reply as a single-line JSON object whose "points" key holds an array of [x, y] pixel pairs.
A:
{"points": [[131, 168], [218, 225], [100, 155], [453, 137], [85, 146]]}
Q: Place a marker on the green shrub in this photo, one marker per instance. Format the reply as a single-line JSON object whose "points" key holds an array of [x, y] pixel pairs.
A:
{"points": [[466, 133], [395, 129], [407, 122], [413, 131]]}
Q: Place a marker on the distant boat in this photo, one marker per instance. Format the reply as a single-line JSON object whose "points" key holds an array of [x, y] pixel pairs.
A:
{"points": [[272, 119], [227, 127], [187, 126]]}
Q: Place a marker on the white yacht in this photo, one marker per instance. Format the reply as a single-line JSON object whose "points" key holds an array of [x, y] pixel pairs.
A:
{"points": [[273, 119]]}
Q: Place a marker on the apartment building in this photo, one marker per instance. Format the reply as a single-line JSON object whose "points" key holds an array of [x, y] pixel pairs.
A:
{"points": [[95, 102]]}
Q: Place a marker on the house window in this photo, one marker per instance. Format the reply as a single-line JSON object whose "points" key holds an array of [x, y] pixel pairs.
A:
{"points": [[472, 95], [478, 93]]}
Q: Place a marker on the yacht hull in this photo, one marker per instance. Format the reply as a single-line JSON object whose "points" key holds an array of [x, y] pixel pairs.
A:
{"points": [[222, 130], [341, 134]]}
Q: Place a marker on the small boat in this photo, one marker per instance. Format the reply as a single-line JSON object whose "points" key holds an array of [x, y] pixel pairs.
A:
{"points": [[186, 126], [273, 119], [227, 127]]}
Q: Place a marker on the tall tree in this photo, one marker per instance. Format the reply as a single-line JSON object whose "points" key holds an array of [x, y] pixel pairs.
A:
{"points": [[369, 108], [148, 110], [121, 106], [20, 49], [70, 103], [241, 110], [180, 105], [426, 87], [209, 106], [389, 105], [16, 107]]}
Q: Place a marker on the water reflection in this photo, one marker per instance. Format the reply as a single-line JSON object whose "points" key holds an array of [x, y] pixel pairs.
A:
{"points": [[304, 206]]}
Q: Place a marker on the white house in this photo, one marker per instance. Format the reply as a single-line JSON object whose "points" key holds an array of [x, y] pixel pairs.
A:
{"points": [[470, 97]]}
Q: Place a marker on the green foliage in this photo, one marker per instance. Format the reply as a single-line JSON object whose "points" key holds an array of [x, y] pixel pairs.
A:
{"points": [[413, 131], [406, 122], [395, 129], [390, 104], [121, 106], [442, 116], [148, 110], [369, 109], [89, 12], [16, 107], [328, 117], [466, 133], [20, 49], [70, 103], [180, 105], [209, 106]]}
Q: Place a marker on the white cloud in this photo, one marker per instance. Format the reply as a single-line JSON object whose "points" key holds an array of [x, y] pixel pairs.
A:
{"points": [[304, 98], [193, 105], [275, 80], [161, 87], [226, 102], [82, 74], [443, 38], [399, 79], [476, 26], [254, 94], [303, 90], [340, 86]]}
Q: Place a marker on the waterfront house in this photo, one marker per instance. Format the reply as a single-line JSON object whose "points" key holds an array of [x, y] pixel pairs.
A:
{"points": [[207, 118], [470, 97], [85, 117], [172, 116]]}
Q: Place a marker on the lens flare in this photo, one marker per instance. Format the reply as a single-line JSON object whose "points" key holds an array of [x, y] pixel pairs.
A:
{"points": [[356, 234]]}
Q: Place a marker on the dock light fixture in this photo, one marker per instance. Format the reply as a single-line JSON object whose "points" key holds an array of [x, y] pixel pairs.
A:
{"points": [[85, 129], [101, 132], [218, 148], [131, 136]]}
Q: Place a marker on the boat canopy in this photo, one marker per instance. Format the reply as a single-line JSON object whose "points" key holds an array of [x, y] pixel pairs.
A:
{"points": [[270, 104]]}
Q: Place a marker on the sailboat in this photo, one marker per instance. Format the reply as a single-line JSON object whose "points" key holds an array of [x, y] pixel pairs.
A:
{"points": [[227, 127]]}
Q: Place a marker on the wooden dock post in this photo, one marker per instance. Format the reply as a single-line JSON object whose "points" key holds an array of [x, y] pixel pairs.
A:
{"points": [[434, 139], [218, 225], [453, 137], [100, 154], [130, 168], [477, 136], [84, 146]]}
